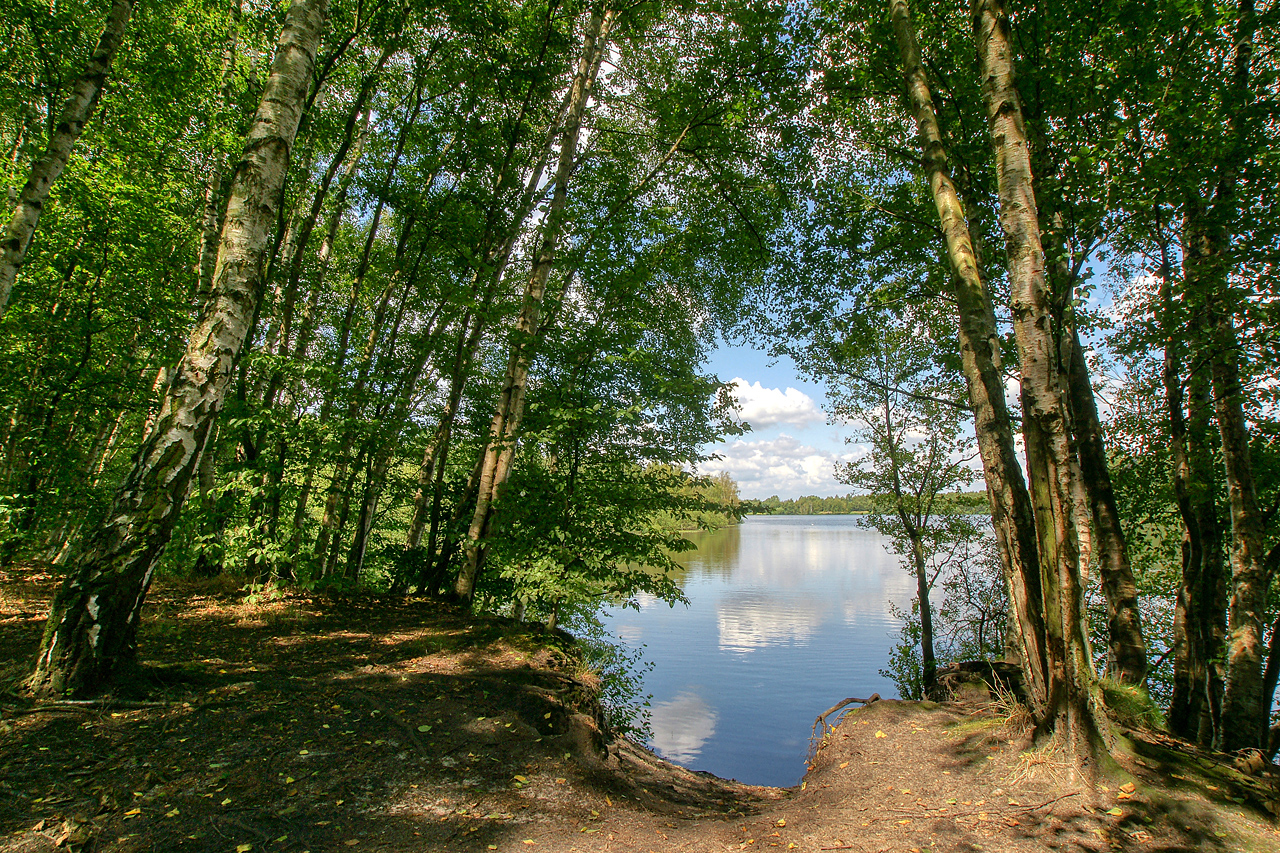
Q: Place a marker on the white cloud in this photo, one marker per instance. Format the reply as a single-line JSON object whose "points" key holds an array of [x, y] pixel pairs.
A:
{"points": [[764, 407], [780, 466]]}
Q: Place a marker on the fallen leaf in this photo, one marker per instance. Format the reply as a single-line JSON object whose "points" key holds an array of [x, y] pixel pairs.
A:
{"points": [[1128, 787], [782, 821], [881, 734], [243, 848], [1115, 811], [844, 764], [226, 802], [424, 729], [132, 813], [521, 779], [172, 813], [1124, 795]]}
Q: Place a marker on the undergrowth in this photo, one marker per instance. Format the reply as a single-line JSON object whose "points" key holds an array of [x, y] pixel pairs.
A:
{"points": [[1130, 707]]}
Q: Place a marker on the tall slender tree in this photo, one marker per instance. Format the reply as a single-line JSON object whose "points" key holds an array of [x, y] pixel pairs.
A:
{"points": [[92, 626], [75, 115]]}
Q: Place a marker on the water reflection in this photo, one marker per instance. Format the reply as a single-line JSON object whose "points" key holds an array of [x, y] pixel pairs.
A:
{"points": [[681, 726], [753, 619], [786, 616]]}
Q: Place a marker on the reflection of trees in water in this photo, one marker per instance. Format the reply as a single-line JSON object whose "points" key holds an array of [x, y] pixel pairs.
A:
{"points": [[716, 557]]}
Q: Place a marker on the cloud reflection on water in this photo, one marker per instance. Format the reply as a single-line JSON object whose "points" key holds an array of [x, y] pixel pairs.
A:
{"points": [[681, 726], [753, 619]]}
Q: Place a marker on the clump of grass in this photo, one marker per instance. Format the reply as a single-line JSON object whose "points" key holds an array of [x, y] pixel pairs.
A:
{"points": [[1130, 707], [1048, 760], [1016, 716]]}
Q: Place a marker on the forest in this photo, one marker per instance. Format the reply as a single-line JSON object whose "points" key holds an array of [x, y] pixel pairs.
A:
{"points": [[418, 297]]}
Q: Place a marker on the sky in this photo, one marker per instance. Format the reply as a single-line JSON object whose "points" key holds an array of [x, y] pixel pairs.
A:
{"points": [[791, 450]]}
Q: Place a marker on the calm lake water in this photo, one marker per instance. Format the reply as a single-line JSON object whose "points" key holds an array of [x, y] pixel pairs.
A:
{"points": [[787, 616]]}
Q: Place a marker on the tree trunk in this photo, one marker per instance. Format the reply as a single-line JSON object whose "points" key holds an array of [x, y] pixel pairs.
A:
{"points": [[92, 625], [1072, 710], [75, 114], [1199, 626], [350, 137], [1011, 512], [1127, 650], [1242, 706], [329, 522], [211, 224], [499, 450], [1189, 658]]}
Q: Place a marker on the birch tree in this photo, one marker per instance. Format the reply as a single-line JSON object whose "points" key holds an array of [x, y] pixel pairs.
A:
{"points": [[92, 627], [79, 107]]}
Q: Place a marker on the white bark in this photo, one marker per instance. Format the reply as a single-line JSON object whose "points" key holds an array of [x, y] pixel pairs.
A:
{"points": [[75, 114]]}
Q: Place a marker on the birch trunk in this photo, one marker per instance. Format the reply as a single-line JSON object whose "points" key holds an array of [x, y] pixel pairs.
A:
{"points": [[211, 224], [1072, 711], [92, 625], [75, 115], [499, 449], [1011, 511], [431, 471]]}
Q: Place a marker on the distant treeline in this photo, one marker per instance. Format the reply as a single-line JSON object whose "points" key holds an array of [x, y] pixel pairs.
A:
{"points": [[849, 504]]}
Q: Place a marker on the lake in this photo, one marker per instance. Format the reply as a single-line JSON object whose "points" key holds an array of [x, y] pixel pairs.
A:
{"points": [[787, 616]]}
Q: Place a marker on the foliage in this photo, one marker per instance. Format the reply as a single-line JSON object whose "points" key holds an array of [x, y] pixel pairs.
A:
{"points": [[620, 670], [904, 667]]}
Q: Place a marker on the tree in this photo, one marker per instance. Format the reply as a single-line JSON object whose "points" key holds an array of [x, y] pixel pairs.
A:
{"points": [[499, 452], [75, 114], [904, 409], [92, 625], [1073, 699]]}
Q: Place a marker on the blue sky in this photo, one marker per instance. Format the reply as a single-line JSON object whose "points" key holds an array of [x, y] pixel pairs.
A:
{"points": [[791, 450]]}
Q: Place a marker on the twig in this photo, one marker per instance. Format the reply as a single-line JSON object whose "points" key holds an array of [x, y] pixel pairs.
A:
{"points": [[86, 705], [1051, 802]]}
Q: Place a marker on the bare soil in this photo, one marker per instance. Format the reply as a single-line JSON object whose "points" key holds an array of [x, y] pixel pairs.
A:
{"points": [[377, 724]]}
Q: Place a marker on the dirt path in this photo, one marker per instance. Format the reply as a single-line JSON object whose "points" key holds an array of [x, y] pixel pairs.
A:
{"points": [[373, 724]]}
